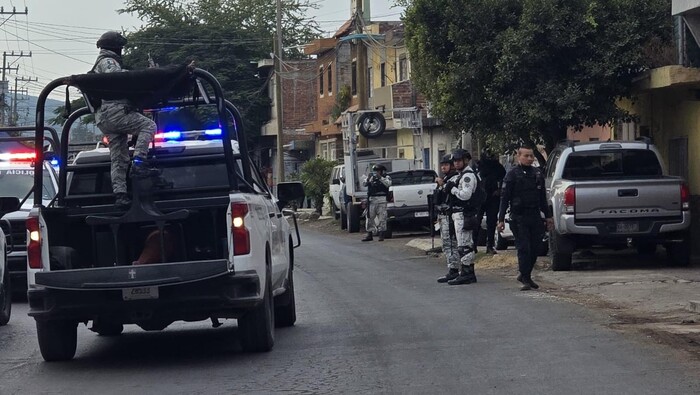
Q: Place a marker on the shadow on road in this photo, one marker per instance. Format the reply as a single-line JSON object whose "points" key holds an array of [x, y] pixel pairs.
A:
{"points": [[171, 348]]}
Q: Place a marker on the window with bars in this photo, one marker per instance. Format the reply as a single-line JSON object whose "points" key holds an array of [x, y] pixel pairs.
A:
{"points": [[330, 78]]}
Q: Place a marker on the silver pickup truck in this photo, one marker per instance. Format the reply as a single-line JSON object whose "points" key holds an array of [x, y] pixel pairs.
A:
{"points": [[615, 194]]}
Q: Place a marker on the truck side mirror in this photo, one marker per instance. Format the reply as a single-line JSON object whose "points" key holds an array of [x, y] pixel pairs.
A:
{"points": [[335, 181], [288, 192]]}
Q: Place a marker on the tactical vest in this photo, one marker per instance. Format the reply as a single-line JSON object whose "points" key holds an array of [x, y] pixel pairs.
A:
{"points": [[376, 188], [441, 196], [526, 192]]}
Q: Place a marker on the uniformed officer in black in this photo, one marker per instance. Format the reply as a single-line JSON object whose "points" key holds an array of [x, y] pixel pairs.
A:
{"points": [[524, 192]]}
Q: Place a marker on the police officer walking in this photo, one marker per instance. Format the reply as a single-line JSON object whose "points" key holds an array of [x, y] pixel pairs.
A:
{"points": [[524, 192], [117, 119], [377, 190], [491, 172], [460, 188], [447, 231]]}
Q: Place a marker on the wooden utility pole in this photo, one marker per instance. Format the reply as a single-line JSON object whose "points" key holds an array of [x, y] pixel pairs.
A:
{"points": [[279, 50], [13, 115]]}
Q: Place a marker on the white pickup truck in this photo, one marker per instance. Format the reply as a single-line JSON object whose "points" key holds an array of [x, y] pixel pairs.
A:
{"points": [[408, 199], [615, 194], [217, 244]]}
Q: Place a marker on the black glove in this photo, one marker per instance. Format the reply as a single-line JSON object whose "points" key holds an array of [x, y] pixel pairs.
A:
{"points": [[449, 185]]}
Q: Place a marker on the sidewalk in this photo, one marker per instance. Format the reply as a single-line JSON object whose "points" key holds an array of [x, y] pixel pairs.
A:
{"points": [[640, 293]]}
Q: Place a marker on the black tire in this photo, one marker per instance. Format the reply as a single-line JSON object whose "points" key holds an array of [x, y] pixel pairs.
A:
{"points": [[109, 329], [560, 252], [343, 220], [285, 304], [646, 248], [389, 232], [501, 243], [257, 327], [371, 124], [58, 340], [679, 253], [353, 214], [336, 212], [5, 298]]}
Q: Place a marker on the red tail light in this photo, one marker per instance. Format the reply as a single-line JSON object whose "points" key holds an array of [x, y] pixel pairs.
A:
{"points": [[34, 243], [570, 200], [390, 197], [241, 236], [685, 197]]}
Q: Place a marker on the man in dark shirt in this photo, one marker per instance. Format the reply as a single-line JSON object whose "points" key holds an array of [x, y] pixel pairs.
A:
{"points": [[491, 172], [524, 192]]}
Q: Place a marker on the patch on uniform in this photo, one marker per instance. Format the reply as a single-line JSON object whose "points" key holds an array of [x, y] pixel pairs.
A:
{"points": [[467, 179], [110, 64]]}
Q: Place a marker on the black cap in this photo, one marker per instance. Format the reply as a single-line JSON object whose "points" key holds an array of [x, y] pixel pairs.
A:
{"points": [[446, 159], [378, 167]]}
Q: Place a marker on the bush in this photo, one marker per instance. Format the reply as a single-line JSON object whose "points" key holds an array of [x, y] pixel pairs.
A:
{"points": [[315, 175]]}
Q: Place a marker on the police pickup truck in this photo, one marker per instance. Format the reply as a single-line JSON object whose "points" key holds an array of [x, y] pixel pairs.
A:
{"points": [[218, 244], [615, 194], [16, 180], [7, 204]]}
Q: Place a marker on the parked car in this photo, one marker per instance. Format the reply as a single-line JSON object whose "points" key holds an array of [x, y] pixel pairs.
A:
{"points": [[408, 199], [335, 188], [615, 194]]}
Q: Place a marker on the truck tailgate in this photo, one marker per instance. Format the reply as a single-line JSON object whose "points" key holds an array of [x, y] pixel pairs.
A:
{"points": [[411, 195], [631, 198], [118, 277]]}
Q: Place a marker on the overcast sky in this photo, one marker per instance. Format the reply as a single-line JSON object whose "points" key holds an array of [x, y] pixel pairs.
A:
{"points": [[61, 33]]}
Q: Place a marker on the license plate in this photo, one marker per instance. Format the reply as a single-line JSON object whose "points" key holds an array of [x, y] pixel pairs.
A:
{"points": [[140, 293], [422, 214], [627, 227]]}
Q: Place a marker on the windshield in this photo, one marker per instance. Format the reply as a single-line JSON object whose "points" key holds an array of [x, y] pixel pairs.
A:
{"points": [[412, 177], [18, 182], [612, 164]]}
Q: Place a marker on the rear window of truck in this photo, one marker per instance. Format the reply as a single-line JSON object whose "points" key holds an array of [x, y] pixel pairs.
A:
{"points": [[412, 177], [612, 164]]}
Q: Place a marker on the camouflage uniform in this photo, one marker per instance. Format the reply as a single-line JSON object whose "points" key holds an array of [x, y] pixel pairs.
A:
{"points": [[449, 242], [463, 191], [116, 119], [377, 208]]}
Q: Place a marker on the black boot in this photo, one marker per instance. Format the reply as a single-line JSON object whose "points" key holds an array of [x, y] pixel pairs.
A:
{"points": [[531, 283], [368, 237], [491, 250], [472, 274], [122, 201], [451, 275], [381, 236], [463, 278], [141, 169]]}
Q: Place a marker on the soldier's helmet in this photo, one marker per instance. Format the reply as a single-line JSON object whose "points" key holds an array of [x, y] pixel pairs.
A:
{"points": [[460, 154], [111, 40], [446, 159], [378, 168]]}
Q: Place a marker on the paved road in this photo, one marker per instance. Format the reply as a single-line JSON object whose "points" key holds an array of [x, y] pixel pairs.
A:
{"points": [[372, 319]]}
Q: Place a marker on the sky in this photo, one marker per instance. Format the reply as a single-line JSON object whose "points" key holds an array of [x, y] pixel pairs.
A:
{"points": [[61, 34]]}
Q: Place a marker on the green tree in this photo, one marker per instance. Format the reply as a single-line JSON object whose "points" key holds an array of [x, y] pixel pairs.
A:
{"points": [[315, 175], [529, 69], [225, 37]]}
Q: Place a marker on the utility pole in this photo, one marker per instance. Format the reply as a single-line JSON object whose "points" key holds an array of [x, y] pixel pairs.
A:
{"points": [[362, 94], [279, 50], [4, 83], [13, 115]]}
